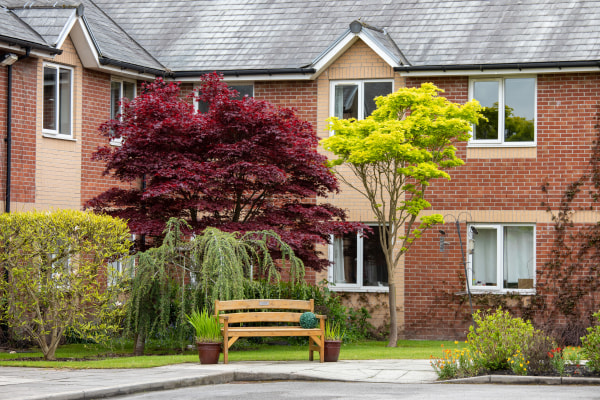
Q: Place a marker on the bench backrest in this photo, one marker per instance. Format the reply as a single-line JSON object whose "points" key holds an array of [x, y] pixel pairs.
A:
{"points": [[247, 306]]}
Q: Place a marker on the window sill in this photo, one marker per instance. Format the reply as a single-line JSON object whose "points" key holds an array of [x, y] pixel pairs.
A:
{"points": [[59, 137], [502, 145], [522, 292], [360, 289], [116, 142]]}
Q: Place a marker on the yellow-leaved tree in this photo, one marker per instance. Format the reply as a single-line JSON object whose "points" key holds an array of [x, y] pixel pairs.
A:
{"points": [[393, 155], [53, 263]]}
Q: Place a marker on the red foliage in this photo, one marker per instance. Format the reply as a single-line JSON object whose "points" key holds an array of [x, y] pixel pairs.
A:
{"points": [[244, 165]]}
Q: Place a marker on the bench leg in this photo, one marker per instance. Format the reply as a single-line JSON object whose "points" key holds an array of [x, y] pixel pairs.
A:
{"points": [[225, 351], [322, 349], [311, 348]]}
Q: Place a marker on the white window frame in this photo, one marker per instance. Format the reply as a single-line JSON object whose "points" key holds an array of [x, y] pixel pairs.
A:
{"points": [[358, 286], [500, 259], [361, 94], [235, 83], [119, 141], [55, 133], [500, 141]]}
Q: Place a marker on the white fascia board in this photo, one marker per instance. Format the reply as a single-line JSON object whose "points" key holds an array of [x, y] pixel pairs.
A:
{"points": [[66, 29], [83, 42], [379, 50], [498, 72]]}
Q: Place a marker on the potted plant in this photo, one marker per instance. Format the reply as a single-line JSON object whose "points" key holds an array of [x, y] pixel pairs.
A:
{"points": [[334, 334], [208, 335]]}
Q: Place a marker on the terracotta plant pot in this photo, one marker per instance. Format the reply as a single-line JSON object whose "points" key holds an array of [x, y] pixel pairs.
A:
{"points": [[332, 350], [209, 352]]}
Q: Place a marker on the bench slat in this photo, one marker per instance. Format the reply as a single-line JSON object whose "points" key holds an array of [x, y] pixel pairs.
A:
{"points": [[269, 331], [236, 318], [284, 304]]}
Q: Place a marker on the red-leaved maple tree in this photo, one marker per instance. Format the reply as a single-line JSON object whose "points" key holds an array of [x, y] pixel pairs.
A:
{"points": [[244, 165]]}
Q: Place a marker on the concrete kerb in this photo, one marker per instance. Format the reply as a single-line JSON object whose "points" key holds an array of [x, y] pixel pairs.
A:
{"points": [[525, 380]]}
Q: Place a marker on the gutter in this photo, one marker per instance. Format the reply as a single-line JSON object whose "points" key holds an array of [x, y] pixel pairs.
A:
{"points": [[9, 131], [134, 67], [482, 67], [29, 45], [245, 72]]}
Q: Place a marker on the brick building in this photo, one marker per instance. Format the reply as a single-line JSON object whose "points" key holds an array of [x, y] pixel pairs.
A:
{"points": [[534, 65]]}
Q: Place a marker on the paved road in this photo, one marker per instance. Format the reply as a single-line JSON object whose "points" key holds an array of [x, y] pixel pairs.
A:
{"points": [[367, 391]]}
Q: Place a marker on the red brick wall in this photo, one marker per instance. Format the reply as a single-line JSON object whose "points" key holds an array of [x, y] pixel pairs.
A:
{"points": [[96, 110], [24, 105], [567, 109], [301, 95]]}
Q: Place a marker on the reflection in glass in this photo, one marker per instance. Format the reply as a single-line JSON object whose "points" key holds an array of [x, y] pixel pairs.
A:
{"points": [[519, 109], [486, 92]]}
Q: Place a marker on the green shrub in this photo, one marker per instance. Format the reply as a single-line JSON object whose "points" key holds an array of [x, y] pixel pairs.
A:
{"points": [[590, 346], [498, 336], [56, 265]]}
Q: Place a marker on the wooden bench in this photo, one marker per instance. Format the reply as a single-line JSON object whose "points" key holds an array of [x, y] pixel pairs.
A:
{"points": [[239, 312]]}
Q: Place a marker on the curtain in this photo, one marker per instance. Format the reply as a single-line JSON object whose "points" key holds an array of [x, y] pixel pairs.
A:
{"points": [[518, 253], [485, 256], [338, 260]]}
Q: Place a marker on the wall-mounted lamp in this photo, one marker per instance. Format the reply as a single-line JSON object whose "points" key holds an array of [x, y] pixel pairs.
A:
{"points": [[474, 230], [8, 59]]}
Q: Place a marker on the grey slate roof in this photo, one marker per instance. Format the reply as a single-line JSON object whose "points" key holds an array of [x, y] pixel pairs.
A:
{"points": [[13, 27], [48, 23], [199, 35]]}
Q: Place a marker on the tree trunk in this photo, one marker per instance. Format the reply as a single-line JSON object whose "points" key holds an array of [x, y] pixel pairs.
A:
{"points": [[139, 343], [393, 339]]}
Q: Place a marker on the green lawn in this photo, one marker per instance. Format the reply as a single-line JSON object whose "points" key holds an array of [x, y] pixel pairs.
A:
{"points": [[118, 357]]}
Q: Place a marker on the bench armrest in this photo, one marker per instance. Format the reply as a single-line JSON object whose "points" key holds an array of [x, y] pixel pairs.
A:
{"points": [[319, 316]]}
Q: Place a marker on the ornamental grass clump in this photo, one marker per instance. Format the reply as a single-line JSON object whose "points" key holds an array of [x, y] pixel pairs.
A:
{"points": [[334, 330], [498, 336], [206, 326]]}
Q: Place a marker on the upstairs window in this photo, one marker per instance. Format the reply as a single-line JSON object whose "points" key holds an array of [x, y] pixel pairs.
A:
{"points": [[358, 262], [58, 104], [509, 104], [242, 89], [502, 257], [356, 99], [119, 90]]}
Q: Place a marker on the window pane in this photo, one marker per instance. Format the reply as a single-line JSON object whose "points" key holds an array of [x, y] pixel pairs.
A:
{"points": [[344, 259], [65, 102], [486, 93], [115, 97], [374, 268], [50, 87], [372, 90], [485, 257], [518, 257], [129, 90], [243, 90], [346, 101], [519, 109]]}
